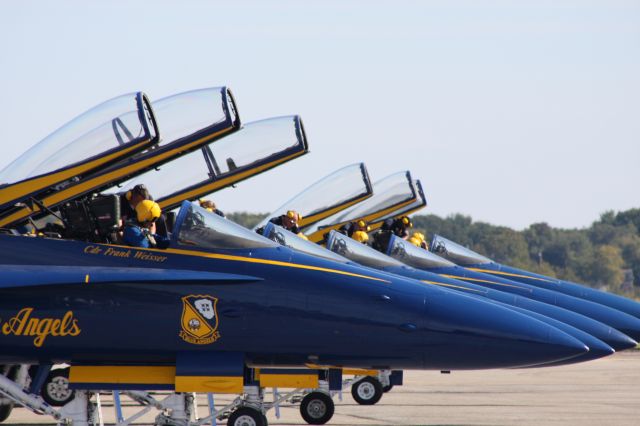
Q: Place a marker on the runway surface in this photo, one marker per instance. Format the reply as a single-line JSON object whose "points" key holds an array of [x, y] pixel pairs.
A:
{"points": [[603, 392]]}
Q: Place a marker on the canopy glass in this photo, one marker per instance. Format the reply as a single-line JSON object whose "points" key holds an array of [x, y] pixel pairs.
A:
{"points": [[198, 227], [286, 238], [456, 253], [256, 147], [409, 254], [358, 252], [330, 194]]}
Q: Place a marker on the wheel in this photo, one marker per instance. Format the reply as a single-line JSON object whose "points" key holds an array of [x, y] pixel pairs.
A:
{"points": [[317, 408], [387, 388], [5, 411], [367, 391], [246, 416], [55, 390]]}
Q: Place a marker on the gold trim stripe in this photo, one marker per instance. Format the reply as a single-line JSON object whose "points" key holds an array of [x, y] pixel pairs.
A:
{"points": [[453, 286], [96, 182], [455, 277], [306, 221], [123, 374], [317, 236], [509, 274], [234, 258], [229, 180], [217, 384], [12, 192]]}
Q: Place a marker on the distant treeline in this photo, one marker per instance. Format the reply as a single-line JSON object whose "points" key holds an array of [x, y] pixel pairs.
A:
{"points": [[606, 254]]}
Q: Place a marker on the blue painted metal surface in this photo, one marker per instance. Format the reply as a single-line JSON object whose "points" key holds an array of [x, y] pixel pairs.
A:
{"points": [[302, 310]]}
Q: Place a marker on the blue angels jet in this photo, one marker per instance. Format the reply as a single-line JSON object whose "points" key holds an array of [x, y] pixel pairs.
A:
{"points": [[222, 300]]}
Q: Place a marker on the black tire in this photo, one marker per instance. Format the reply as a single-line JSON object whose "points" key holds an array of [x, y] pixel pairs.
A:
{"points": [[5, 411], [367, 391], [246, 416], [387, 388], [317, 408], [55, 390]]}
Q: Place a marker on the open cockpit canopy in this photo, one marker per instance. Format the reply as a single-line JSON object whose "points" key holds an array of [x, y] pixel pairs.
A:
{"points": [[289, 239], [418, 204], [389, 195], [456, 253], [199, 228], [257, 147], [188, 120], [417, 257], [331, 194], [358, 252], [95, 139]]}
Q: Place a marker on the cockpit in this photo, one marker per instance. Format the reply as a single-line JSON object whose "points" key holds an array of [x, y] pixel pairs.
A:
{"points": [[289, 239], [456, 253], [419, 258], [333, 193], [200, 228], [358, 252], [390, 194]]}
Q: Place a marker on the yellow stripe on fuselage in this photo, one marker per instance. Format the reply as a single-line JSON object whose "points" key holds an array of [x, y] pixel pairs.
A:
{"points": [[453, 286], [509, 274], [455, 277], [234, 258]]}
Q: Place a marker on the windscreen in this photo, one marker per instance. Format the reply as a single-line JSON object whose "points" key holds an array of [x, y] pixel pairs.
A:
{"points": [[112, 124], [198, 227], [358, 252], [340, 188], [286, 238], [456, 253], [409, 254], [388, 192]]}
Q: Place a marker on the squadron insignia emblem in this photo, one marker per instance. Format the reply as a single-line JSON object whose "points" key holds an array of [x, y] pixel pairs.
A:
{"points": [[199, 319]]}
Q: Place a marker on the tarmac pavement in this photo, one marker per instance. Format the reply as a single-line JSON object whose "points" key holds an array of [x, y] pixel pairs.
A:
{"points": [[602, 392]]}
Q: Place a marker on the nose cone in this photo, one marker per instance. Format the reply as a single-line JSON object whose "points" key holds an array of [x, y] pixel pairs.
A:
{"points": [[627, 324], [619, 341], [463, 332], [597, 348]]}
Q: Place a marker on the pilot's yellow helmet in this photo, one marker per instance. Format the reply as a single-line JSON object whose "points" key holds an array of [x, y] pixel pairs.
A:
{"points": [[362, 225], [148, 211], [360, 236], [416, 242], [418, 235], [407, 222], [301, 235], [292, 214]]}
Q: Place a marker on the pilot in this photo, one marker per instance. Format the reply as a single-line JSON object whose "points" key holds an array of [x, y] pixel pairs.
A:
{"points": [[138, 233], [210, 206], [398, 227], [349, 229], [288, 221]]}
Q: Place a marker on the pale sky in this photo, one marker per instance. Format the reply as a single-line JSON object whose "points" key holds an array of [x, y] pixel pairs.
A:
{"points": [[513, 112]]}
